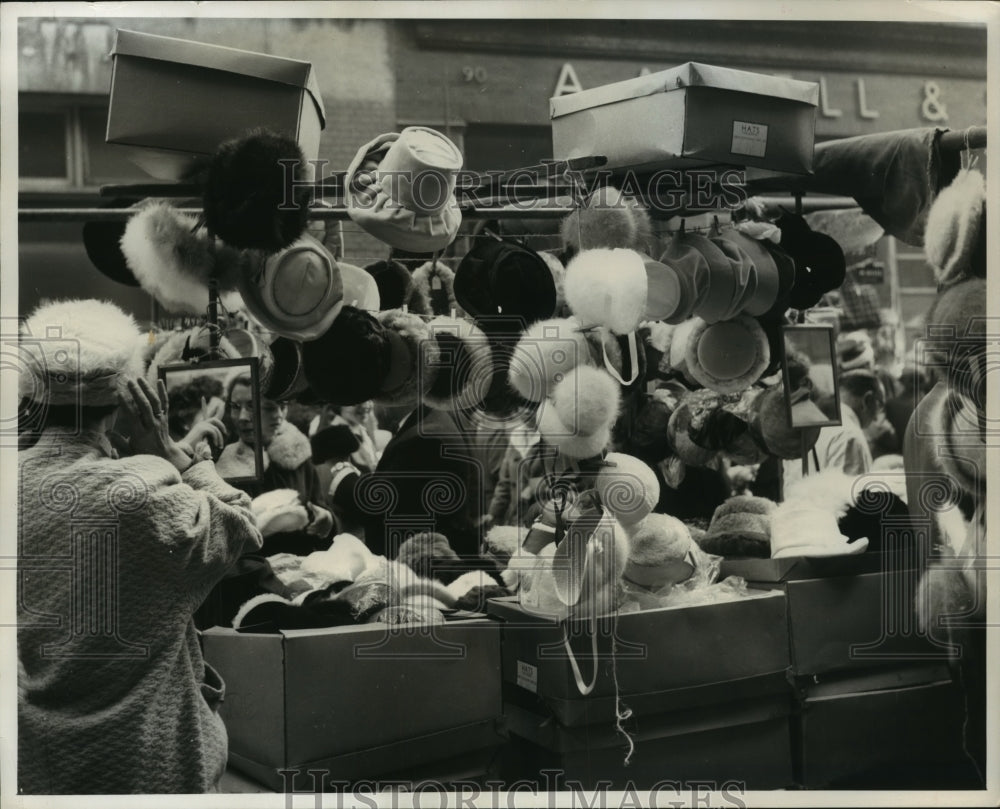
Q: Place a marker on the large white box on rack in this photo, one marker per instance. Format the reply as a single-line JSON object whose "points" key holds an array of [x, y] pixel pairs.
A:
{"points": [[690, 116]]}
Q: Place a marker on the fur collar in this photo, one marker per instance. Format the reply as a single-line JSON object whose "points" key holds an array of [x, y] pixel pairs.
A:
{"points": [[289, 448]]}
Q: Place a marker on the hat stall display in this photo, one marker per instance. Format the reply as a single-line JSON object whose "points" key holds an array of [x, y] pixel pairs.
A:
{"points": [[348, 363], [578, 417], [77, 352], [464, 371], [607, 287], [955, 232], [255, 195], [692, 273], [419, 166], [434, 282], [413, 358], [740, 527], [335, 441], [727, 356], [627, 487], [608, 219], [395, 286], [548, 350], [360, 289], [660, 552], [820, 265], [297, 292]]}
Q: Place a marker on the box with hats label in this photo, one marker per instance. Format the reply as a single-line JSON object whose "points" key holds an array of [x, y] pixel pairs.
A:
{"points": [[845, 612], [357, 701], [659, 659], [173, 101], [689, 116]]}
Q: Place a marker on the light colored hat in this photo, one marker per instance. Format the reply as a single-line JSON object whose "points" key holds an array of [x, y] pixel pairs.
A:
{"points": [[420, 166], [360, 288], [548, 350], [954, 224], [77, 352], [279, 511], [799, 528], [297, 292], [627, 487], [661, 552], [727, 356], [607, 287], [692, 273], [579, 415]]}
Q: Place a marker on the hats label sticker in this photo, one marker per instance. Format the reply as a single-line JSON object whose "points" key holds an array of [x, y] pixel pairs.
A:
{"points": [[749, 139], [527, 676]]}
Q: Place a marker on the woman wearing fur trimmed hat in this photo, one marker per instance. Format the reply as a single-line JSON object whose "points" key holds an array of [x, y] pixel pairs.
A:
{"points": [[114, 695]]}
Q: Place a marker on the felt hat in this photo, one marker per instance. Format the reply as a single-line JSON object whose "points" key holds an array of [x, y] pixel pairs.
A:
{"points": [[414, 358], [77, 352], [956, 223], [279, 511], [288, 376], [173, 262], [743, 274], [607, 287], [627, 487], [297, 292], [741, 526], [771, 423], [764, 293], [434, 283], [360, 289], [400, 188], [799, 528], [348, 363], [786, 279], [578, 416], [608, 219], [548, 350], [721, 285], [820, 265], [727, 356], [693, 274], [499, 278], [394, 283], [664, 296], [660, 552], [335, 441], [464, 370]]}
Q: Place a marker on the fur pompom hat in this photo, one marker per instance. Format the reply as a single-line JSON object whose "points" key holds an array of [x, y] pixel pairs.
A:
{"points": [[740, 527], [464, 371], [347, 364], [579, 415], [607, 287], [955, 233], [77, 352], [174, 264], [252, 198], [608, 219], [414, 358], [627, 487], [548, 351], [660, 552], [434, 282]]}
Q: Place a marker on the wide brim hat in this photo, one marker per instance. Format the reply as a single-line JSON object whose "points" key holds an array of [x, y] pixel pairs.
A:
{"points": [[500, 280], [297, 292], [464, 371], [820, 265], [77, 352], [607, 287], [693, 273], [413, 359], [727, 356], [772, 426], [349, 362], [660, 552], [419, 166], [765, 271]]}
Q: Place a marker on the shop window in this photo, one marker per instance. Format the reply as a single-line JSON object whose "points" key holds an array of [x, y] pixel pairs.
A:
{"points": [[43, 146]]}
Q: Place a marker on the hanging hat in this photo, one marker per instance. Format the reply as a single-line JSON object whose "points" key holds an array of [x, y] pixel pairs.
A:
{"points": [[765, 288], [102, 241], [297, 292], [335, 441], [717, 298], [728, 356], [548, 350], [820, 265], [254, 197], [799, 528], [501, 278], [627, 487], [288, 376], [464, 371], [607, 287], [665, 292], [559, 278], [77, 352], [955, 227], [360, 289], [394, 283], [693, 273], [348, 363], [435, 282], [740, 527], [660, 552], [406, 380], [173, 263], [608, 219], [682, 344], [680, 438], [786, 279], [400, 188], [578, 416], [247, 344], [744, 273], [770, 421]]}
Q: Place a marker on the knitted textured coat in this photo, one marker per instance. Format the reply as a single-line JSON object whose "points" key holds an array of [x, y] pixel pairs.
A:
{"points": [[115, 555]]}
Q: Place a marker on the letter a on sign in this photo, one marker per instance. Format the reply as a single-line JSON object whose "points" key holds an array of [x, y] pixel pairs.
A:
{"points": [[568, 82]]}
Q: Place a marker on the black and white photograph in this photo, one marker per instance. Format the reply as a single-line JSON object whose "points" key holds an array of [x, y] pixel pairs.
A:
{"points": [[437, 403]]}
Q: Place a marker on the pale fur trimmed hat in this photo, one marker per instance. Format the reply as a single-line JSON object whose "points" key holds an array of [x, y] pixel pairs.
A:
{"points": [[548, 350], [954, 224]]}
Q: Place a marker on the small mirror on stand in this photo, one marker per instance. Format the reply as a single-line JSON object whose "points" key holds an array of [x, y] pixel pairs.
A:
{"points": [[226, 390], [809, 370]]}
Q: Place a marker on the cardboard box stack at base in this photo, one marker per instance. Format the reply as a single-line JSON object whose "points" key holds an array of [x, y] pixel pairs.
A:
{"points": [[174, 101]]}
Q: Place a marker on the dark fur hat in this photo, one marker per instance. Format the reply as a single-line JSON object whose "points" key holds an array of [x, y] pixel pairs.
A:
{"points": [[335, 441], [346, 364]]}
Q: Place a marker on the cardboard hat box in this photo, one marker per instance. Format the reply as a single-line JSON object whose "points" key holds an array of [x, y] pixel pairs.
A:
{"points": [[357, 700], [690, 115], [174, 101], [845, 612], [661, 658]]}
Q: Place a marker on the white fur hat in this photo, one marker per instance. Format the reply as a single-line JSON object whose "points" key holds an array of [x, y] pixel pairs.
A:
{"points": [[173, 263], [546, 352], [953, 226], [77, 352], [279, 511], [805, 524], [628, 488], [579, 415], [607, 288]]}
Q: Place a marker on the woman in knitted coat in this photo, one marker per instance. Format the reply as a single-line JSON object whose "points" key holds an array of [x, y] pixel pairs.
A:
{"points": [[115, 555]]}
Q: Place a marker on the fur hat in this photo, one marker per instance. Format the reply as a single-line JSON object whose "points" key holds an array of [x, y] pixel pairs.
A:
{"points": [[288, 376], [958, 316], [400, 188], [348, 363], [251, 200], [414, 358], [559, 278], [805, 524], [434, 283], [502, 542], [627, 487], [727, 356], [548, 351], [578, 417], [421, 552], [660, 552], [608, 219], [335, 441], [345, 560], [464, 370], [956, 224], [740, 527], [820, 265], [279, 511], [77, 352], [607, 287], [683, 341], [503, 278], [173, 263], [297, 292], [360, 289]]}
